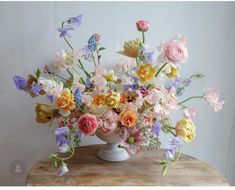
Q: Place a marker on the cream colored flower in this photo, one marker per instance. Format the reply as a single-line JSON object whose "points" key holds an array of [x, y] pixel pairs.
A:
{"points": [[131, 48], [186, 130], [109, 76]]}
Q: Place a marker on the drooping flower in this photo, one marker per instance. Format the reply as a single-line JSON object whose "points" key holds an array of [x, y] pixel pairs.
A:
{"points": [[142, 25], [128, 118], [88, 124], [146, 73], [131, 48], [112, 99], [175, 51], [77, 21], [62, 170], [110, 76], [211, 95], [186, 130], [44, 113], [64, 31], [110, 122], [172, 147], [20, 82], [190, 113], [157, 127], [61, 139], [51, 87], [132, 140], [65, 102]]}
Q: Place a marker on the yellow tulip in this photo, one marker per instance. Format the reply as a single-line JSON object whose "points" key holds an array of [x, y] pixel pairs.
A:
{"points": [[186, 130], [131, 48]]}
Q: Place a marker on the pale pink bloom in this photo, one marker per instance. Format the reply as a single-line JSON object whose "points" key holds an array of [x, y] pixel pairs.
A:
{"points": [[175, 51], [87, 98], [153, 96], [212, 97], [190, 113], [126, 64], [132, 140], [51, 87], [76, 84], [99, 80], [109, 121], [142, 25]]}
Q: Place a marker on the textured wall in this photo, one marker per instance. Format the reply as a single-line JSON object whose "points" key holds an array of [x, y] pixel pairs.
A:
{"points": [[29, 39]]}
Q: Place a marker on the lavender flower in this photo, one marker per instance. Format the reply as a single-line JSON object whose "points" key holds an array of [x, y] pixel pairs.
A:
{"points": [[62, 170], [64, 31], [50, 98], [157, 126], [36, 89], [20, 82], [179, 84], [76, 20], [61, 140], [88, 83], [173, 145]]}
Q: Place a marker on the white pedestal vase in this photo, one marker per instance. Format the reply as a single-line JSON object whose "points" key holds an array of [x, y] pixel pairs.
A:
{"points": [[111, 152]]}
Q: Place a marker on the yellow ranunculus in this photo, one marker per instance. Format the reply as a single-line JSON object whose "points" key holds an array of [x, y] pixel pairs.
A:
{"points": [[145, 73], [44, 113], [131, 48], [186, 130], [109, 76], [113, 99], [174, 72]]}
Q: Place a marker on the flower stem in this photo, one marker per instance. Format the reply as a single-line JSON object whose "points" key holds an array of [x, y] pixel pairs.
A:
{"points": [[93, 58], [160, 70], [143, 38], [193, 97], [69, 72], [65, 39]]}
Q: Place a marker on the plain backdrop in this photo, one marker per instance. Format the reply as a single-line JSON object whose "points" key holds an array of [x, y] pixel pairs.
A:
{"points": [[29, 40]]}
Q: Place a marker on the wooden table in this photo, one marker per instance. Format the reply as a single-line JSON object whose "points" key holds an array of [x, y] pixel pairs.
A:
{"points": [[141, 169]]}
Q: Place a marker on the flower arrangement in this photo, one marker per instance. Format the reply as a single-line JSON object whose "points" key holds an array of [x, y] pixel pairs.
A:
{"points": [[136, 103]]}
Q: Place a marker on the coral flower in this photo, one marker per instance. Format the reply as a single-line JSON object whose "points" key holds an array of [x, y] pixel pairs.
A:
{"points": [[146, 73], [131, 48], [128, 118], [88, 124], [65, 102]]}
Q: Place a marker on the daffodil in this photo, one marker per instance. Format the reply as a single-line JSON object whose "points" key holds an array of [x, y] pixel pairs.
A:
{"points": [[146, 73], [109, 76]]}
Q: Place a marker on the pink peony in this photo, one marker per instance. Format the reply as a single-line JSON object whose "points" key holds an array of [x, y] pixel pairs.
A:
{"points": [[88, 124], [175, 51], [142, 25], [212, 97]]}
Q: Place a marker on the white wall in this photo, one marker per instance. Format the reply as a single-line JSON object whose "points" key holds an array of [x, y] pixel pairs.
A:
{"points": [[29, 39]]}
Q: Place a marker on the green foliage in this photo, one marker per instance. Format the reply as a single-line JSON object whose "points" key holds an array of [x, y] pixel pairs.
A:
{"points": [[38, 73]]}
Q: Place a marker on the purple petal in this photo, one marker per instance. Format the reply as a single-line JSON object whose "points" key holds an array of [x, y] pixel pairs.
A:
{"points": [[36, 89], [20, 82], [51, 98], [61, 131], [64, 30], [157, 126], [76, 20], [62, 170]]}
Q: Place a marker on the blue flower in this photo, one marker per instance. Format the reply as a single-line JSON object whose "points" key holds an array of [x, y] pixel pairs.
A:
{"points": [[88, 83], [64, 31], [78, 96], [20, 82], [157, 126], [76, 20], [93, 42]]}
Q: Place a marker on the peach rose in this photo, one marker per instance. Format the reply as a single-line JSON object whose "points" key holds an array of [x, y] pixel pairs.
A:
{"points": [[128, 118]]}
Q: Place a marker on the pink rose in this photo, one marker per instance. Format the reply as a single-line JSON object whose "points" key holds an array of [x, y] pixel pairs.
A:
{"points": [[175, 51], [142, 25], [87, 124]]}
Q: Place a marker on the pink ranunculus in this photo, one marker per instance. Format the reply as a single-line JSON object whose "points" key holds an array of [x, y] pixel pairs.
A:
{"points": [[142, 25], [87, 124], [212, 97], [110, 122], [175, 51]]}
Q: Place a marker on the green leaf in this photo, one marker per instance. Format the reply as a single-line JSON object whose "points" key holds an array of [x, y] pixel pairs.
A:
{"points": [[101, 48], [163, 162], [198, 75], [164, 170], [38, 73], [53, 158]]}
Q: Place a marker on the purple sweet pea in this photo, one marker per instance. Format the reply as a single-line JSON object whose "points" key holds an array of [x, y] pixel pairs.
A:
{"points": [[36, 89], [173, 145], [157, 127], [20, 82], [50, 98], [61, 140], [64, 31], [62, 170], [76, 20], [88, 83]]}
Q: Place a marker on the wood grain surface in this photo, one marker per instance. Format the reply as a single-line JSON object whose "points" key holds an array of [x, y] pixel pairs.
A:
{"points": [[142, 169]]}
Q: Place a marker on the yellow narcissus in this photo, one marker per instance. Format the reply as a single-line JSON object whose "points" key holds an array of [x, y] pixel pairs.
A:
{"points": [[145, 73], [109, 76], [174, 72], [44, 113], [131, 48], [186, 130], [113, 99]]}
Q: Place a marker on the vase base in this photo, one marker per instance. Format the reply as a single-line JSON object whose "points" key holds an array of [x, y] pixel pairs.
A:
{"points": [[112, 153]]}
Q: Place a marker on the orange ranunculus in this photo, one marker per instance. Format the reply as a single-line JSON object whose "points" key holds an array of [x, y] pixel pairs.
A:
{"points": [[99, 99], [65, 102], [128, 118]]}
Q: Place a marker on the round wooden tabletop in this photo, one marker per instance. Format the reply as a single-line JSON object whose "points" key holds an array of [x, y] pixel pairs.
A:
{"points": [[142, 169]]}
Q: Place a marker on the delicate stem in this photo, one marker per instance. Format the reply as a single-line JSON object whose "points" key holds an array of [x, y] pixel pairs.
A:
{"points": [[143, 38], [69, 72], [172, 132], [60, 77], [193, 97], [137, 63], [98, 58], [83, 69], [93, 58], [65, 37], [160, 70]]}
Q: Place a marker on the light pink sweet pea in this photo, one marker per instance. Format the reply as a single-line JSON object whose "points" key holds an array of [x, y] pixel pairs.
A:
{"points": [[142, 25], [76, 84], [175, 51], [190, 113], [212, 97]]}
